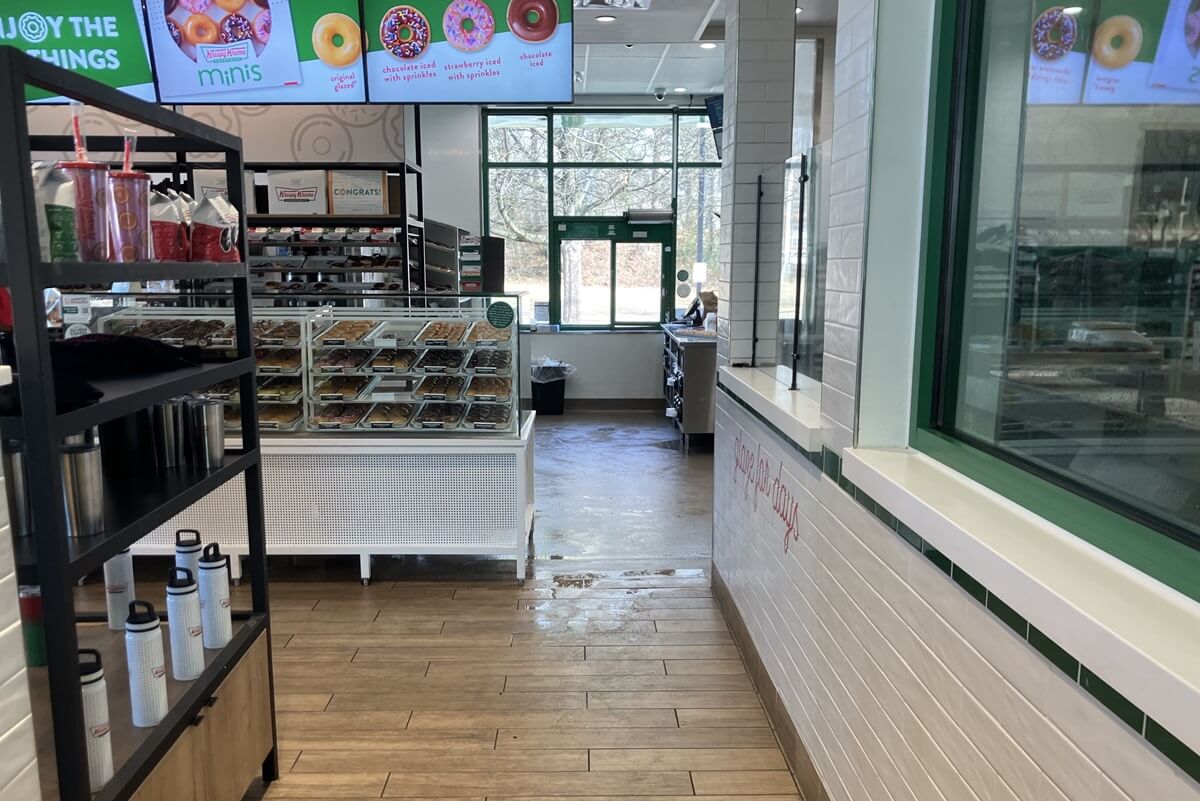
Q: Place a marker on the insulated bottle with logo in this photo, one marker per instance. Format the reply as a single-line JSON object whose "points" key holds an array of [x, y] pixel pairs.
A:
{"points": [[187, 550], [215, 613], [183, 624], [118, 588], [95, 718], [147, 665]]}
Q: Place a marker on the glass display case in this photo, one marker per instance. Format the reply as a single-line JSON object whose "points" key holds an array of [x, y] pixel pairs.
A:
{"points": [[405, 370]]}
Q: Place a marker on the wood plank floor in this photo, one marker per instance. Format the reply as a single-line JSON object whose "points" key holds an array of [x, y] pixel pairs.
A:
{"points": [[609, 688]]}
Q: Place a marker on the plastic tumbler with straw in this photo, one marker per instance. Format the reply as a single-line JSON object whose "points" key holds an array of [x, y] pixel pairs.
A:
{"points": [[91, 187], [129, 209]]}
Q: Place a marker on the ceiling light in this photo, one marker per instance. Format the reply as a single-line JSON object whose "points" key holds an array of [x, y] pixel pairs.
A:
{"points": [[1073, 10], [606, 18], [799, 10], [708, 45], [680, 90]]}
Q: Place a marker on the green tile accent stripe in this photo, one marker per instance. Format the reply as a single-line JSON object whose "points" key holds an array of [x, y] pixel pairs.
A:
{"points": [[830, 463]]}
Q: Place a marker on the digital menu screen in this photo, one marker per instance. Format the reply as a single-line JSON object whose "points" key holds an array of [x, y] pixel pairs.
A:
{"points": [[469, 51], [1130, 52], [257, 51], [105, 41]]}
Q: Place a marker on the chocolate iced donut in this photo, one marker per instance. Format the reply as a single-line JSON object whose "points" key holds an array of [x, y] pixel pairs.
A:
{"points": [[176, 35], [533, 20], [235, 28], [1054, 34], [404, 32]]}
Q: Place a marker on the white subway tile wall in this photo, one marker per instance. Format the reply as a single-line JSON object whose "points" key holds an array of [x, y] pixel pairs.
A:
{"points": [[901, 685], [18, 758], [760, 51], [853, 81]]}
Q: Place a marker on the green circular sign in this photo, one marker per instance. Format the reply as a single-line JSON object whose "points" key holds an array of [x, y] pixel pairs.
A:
{"points": [[501, 314], [682, 276]]}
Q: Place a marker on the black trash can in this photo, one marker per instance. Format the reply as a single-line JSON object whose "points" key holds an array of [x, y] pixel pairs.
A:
{"points": [[550, 397]]}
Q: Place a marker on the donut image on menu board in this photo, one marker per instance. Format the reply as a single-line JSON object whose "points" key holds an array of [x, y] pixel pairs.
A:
{"points": [[211, 22], [404, 32], [533, 20], [468, 25], [1054, 33]]}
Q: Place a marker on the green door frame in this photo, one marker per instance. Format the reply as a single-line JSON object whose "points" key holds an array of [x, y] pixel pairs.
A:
{"points": [[616, 230]]}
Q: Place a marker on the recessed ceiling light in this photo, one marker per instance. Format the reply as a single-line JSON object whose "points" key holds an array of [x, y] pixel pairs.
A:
{"points": [[799, 10], [708, 45], [606, 18], [1073, 10], [680, 90]]}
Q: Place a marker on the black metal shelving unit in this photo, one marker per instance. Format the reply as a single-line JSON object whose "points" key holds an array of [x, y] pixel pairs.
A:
{"points": [[131, 511]]}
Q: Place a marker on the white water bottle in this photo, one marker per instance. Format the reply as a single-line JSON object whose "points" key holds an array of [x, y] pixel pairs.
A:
{"points": [[147, 665], [215, 613], [96, 726], [183, 625], [118, 588], [187, 551]]}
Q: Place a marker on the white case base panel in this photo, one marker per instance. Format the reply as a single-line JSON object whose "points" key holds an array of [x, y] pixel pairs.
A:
{"points": [[371, 496]]}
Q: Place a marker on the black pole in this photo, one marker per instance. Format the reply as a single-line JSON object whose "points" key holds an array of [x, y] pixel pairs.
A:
{"points": [[757, 237], [799, 259]]}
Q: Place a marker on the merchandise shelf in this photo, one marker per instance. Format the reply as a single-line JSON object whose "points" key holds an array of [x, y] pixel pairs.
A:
{"points": [[131, 512]]}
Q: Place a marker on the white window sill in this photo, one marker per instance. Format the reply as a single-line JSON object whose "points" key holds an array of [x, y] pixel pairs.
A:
{"points": [[797, 413], [1135, 633]]}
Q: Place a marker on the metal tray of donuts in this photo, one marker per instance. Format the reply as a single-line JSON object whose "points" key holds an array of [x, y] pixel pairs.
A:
{"points": [[343, 360], [488, 416], [442, 333], [388, 416], [280, 418], [344, 388], [440, 415]]}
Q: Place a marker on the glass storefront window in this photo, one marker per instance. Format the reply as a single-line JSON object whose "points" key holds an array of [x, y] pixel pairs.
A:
{"points": [[517, 137], [1071, 339], [697, 224], [696, 142], [613, 138], [609, 191], [518, 210]]}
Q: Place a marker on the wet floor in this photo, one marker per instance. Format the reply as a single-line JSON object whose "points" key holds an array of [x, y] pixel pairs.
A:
{"points": [[616, 487]]}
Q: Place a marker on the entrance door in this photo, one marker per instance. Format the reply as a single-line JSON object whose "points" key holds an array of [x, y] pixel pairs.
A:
{"points": [[610, 273]]}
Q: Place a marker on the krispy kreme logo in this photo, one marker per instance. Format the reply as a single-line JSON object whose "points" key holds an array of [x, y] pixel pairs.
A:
{"points": [[224, 54], [101, 730], [304, 194]]}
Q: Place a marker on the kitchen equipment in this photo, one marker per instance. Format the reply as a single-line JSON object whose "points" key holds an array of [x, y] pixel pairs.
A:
{"points": [[147, 665], [184, 626], [169, 428], [83, 490], [215, 613], [97, 729], [118, 588], [206, 436], [187, 550], [16, 487]]}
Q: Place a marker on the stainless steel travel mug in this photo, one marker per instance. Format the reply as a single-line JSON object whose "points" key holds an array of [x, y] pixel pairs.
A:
{"points": [[16, 487], [83, 490], [207, 435], [169, 433]]}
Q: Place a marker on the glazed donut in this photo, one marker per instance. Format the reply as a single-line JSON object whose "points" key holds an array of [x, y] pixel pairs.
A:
{"points": [[468, 25], [200, 29], [1054, 34], [173, 29], [337, 40], [533, 20], [195, 6], [1117, 42], [231, 5], [235, 28], [262, 26], [404, 32]]}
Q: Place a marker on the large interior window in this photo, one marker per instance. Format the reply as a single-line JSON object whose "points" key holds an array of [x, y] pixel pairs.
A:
{"points": [[1068, 336], [552, 165]]}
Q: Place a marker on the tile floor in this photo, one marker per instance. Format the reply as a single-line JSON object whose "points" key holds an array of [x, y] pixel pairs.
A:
{"points": [[596, 684]]}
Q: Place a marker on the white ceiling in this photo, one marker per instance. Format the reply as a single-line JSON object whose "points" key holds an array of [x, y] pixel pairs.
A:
{"points": [[614, 69], [665, 48]]}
